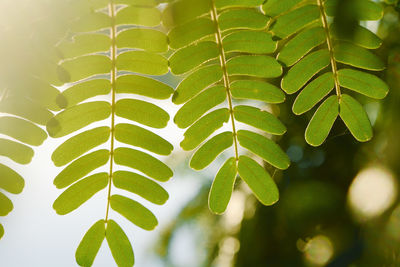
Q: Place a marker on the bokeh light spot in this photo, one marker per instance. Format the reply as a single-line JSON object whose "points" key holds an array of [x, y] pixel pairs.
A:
{"points": [[372, 191]]}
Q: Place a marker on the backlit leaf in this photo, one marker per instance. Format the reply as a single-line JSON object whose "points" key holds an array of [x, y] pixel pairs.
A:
{"points": [[121, 248], [222, 187], [259, 181], [200, 104], [15, 151], [79, 144], [81, 167], [142, 112], [77, 117], [363, 83], [141, 186], [80, 192], [322, 121], [210, 150], [260, 119], [355, 118], [90, 244], [314, 92], [134, 212], [265, 148], [143, 162], [204, 127], [140, 137], [304, 70], [10, 180]]}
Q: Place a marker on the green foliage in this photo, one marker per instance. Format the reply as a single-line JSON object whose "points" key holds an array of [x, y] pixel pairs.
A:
{"points": [[313, 45], [224, 52], [220, 47], [109, 50]]}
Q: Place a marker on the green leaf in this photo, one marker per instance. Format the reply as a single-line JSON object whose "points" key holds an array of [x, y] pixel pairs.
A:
{"points": [[77, 117], [362, 37], [321, 123], [356, 56], [146, 39], [86, 66], [6, 205], [241, 19], [363, 83], [179, 12], [81, 167], [142, 162], [260, 119], [85, 44], [295, 20], [137, 136], [363, 9], [257, 90], [136, 15], [255, 42], [259, 181], [141, 186], [192, 56], [304, 70], [196, 82], [134, 212], [142, 62], [119, 244], [256, 66], [142, 112], [237, 3], [22, 130], [90, 244], [273, 8], [204, 127], [26, 109], [139, 3], [314, 92], [200, 104], [1, 231], [265, 148], [140, 85], [83, 91], [10, 180], [301, 44], [190, 32], [80, 192], [93, 21], [222, 187], [210, 150], [17, 152], [355, 118], [80, 144]]}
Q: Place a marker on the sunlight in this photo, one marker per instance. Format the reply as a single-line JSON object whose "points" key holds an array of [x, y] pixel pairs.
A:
{"points": [[372, 192]]}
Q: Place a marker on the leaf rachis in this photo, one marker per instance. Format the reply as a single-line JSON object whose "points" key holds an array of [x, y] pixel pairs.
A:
{"points": [[113, 51], [329, 43], [222, 58]]}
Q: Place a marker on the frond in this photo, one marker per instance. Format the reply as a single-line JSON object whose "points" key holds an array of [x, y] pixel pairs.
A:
{"points": [[221, 48], [115, 49], [322, 62]]}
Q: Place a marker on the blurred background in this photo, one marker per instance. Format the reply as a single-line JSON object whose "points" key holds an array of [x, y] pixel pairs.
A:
{"points": [[339, 204]]}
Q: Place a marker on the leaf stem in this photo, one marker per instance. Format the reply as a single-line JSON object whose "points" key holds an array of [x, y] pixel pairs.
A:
{"points": [[321, 5], [222, 60], [113, 52]]}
